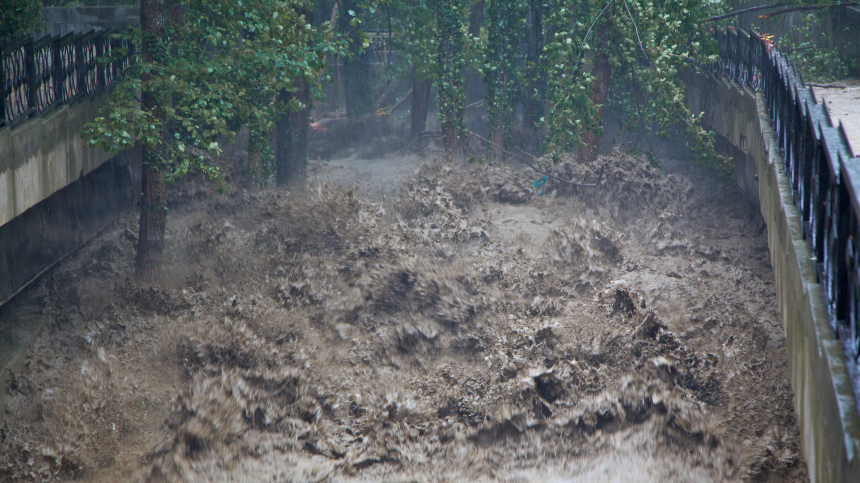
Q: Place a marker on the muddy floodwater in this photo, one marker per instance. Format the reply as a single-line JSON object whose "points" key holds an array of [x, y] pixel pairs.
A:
{"points": [[403, 319]]}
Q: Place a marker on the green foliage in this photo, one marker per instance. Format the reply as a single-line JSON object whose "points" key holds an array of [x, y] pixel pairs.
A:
{"points": [[507, 28], [533, 76], [218, 67], [817, 56], [414, 37], [451, 38], [19, 18], [357, 70], [648, 43], [261, 156]]}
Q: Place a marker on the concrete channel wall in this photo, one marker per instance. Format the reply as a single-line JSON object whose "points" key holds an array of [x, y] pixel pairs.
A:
{"points": [[44, 154], [55, 191], [823, 397]]}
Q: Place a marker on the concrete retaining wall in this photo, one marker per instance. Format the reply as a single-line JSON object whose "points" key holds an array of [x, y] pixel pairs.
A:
{"points": [[731, 113], [59, 224], [823, 397], [44, 154], [55, 192]]}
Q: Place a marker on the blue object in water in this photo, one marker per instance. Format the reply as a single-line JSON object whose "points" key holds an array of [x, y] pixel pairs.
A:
{"points": [[540, 184]]}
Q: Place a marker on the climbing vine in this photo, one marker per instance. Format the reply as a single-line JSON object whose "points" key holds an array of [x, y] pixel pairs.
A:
{"points": [[450, 38], [202, 70], [414, 38], [507, 28], [645, 42]]}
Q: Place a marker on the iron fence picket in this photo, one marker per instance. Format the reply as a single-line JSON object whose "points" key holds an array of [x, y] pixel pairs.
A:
{"points": [[851, 175], [68, 53], [16, 88], [44, 89]]}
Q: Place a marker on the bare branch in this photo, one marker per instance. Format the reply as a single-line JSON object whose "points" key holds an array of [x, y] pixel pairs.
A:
{"points": [[780, 12], [474, 104], [397, 104], [746, 10], [809, 7]]}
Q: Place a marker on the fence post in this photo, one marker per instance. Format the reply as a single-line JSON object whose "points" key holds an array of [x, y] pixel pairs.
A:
{"points": [[2, 87], [81, 86], [30, 76], [98, 42], [58, 71]]}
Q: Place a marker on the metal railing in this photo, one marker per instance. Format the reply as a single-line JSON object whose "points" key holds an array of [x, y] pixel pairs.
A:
{"points": [[38, 76], [822, 171]]}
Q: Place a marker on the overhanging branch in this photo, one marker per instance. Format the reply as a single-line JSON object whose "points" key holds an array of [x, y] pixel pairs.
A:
{"points": [[746, 10], [780, 12], [810, 7]]}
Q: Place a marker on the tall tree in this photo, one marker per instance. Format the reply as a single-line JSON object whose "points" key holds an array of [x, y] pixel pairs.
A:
{"points": [[535, 69], [640, 46], [153, 210], [222, 66], [357, 71], [420, 102], [292, 133], [294, 114], [473, 81], [506, 29], [414, 35], [451, 99], [601, 71]]}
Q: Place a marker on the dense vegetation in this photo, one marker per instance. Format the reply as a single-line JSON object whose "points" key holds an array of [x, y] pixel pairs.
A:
{"points": [[206, 68], [18, 18]]}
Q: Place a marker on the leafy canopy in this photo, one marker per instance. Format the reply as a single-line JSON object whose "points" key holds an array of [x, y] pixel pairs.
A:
{"points": [[217, 67], [648, 42], [19, 18]]}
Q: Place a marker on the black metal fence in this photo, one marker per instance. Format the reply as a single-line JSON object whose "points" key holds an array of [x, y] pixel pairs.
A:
{"points": [[823, 173], [39, 75]]}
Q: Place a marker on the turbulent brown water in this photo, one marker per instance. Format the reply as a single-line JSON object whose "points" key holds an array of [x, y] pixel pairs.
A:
{"points": [[463, 327]]}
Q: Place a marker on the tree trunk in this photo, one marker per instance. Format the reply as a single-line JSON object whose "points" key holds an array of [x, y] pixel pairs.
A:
{"points": [[450, 82], [282, 140], [297, 153], [322, 8], [357, 89], [498, 142], [476, 18], [602, 72], [420, 104], [473, 87], [291, 145], [504, 37], [153, 213], [536, 88]]}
